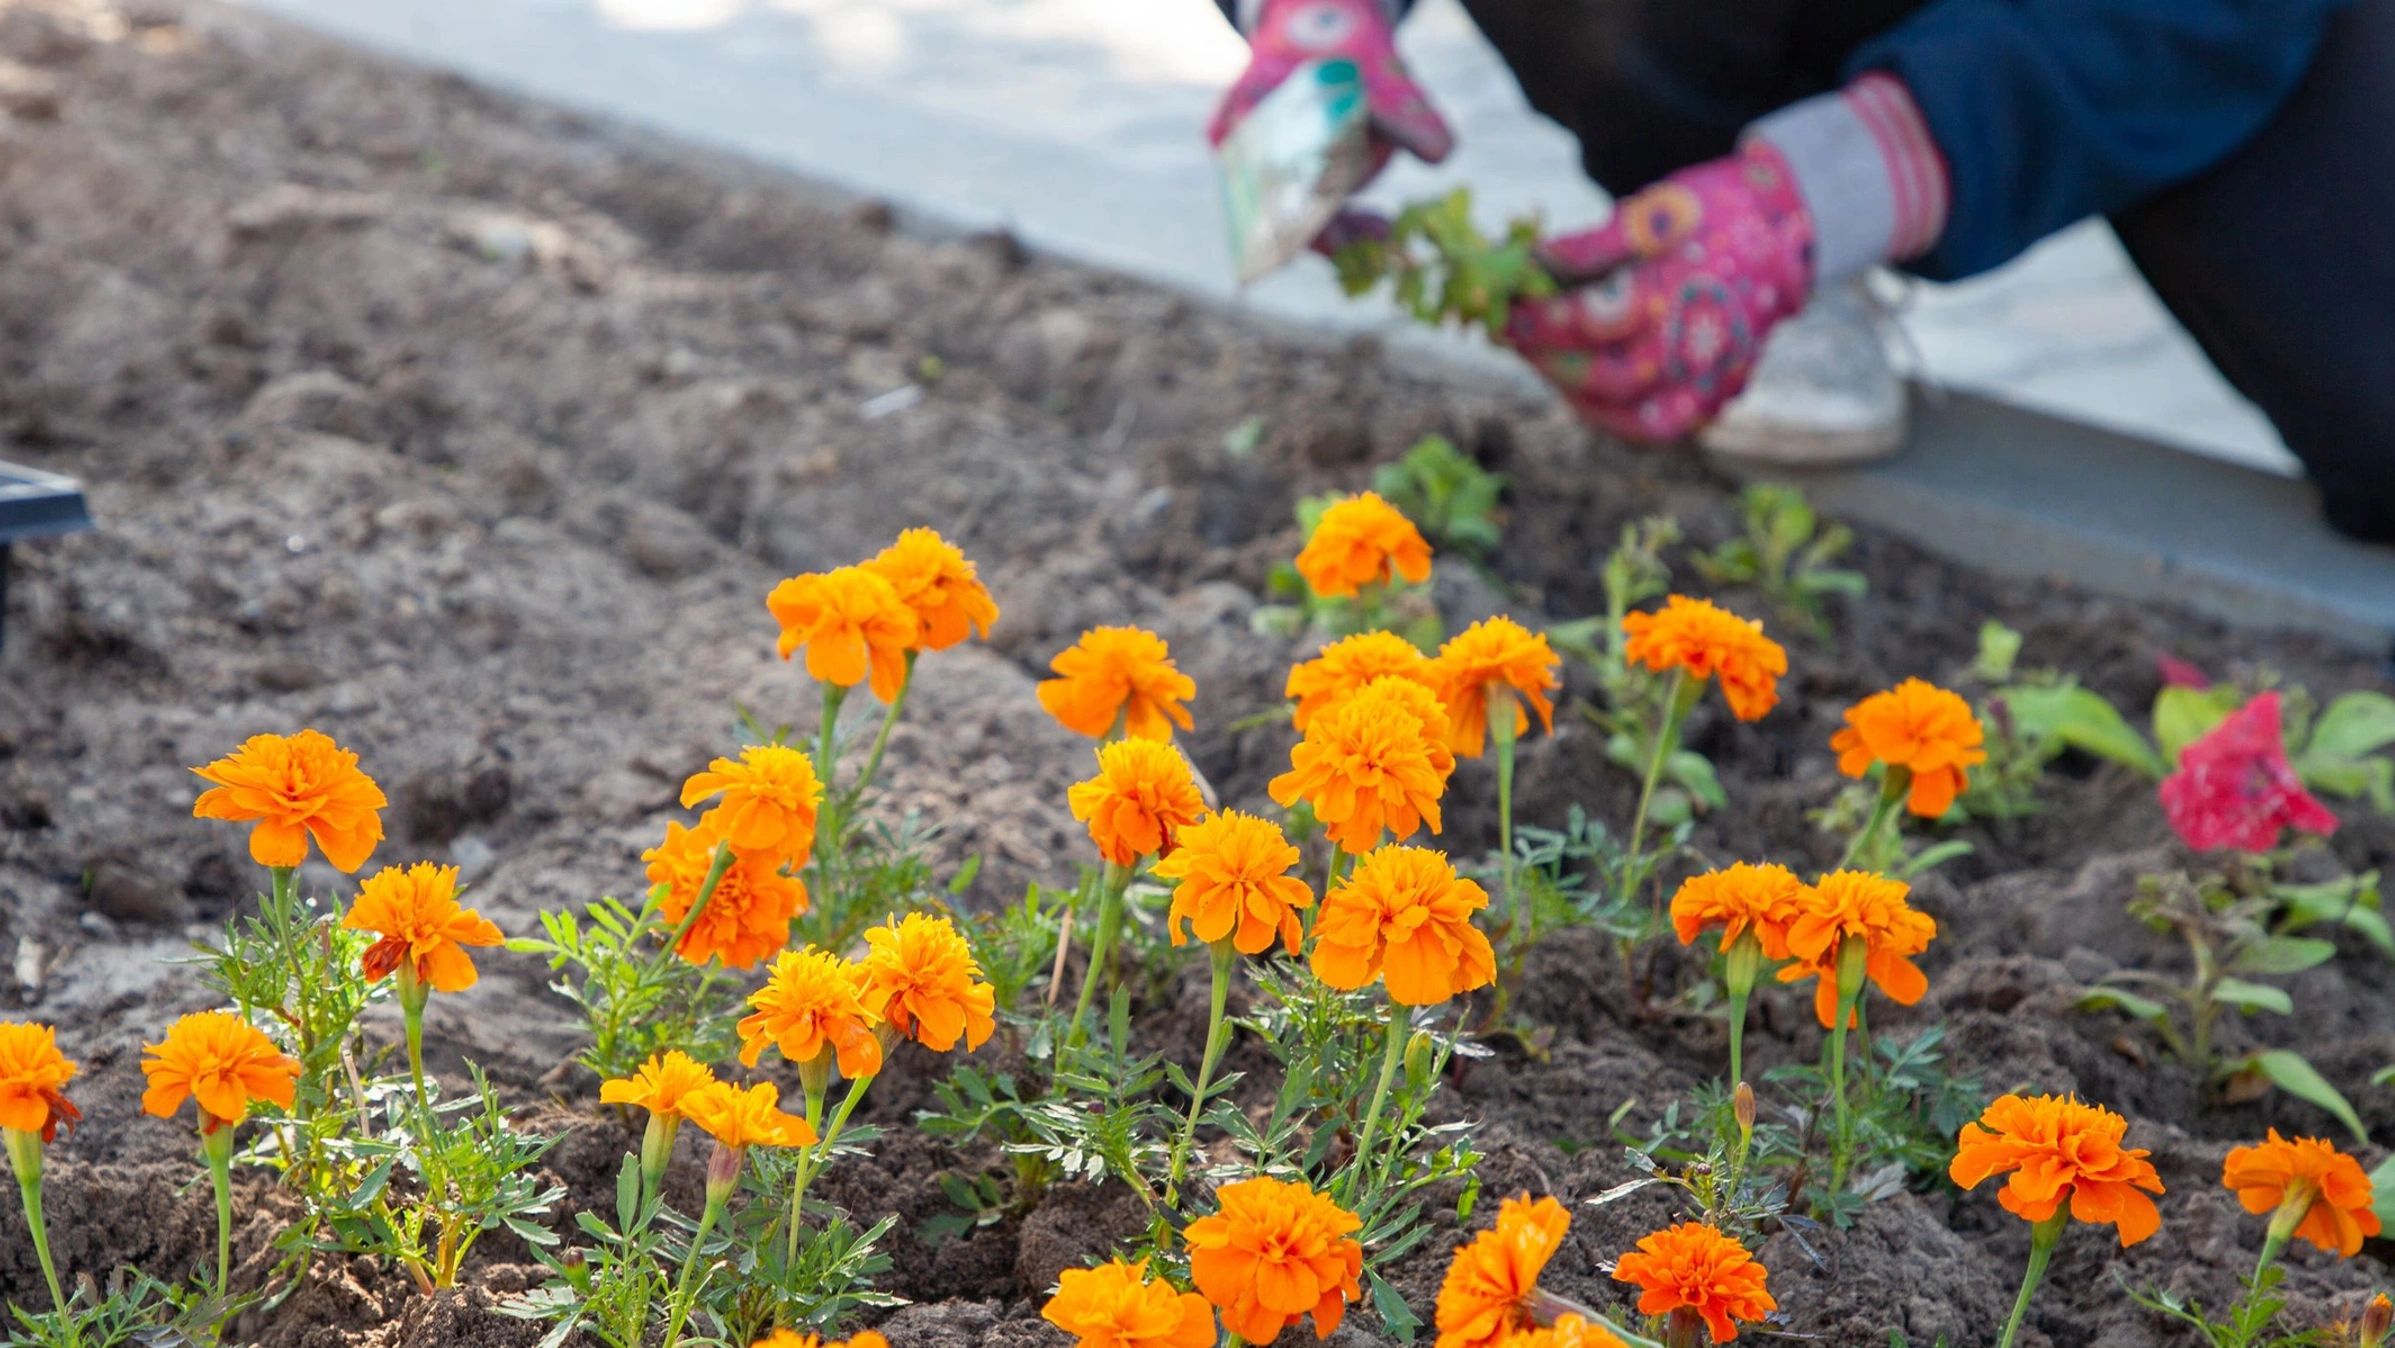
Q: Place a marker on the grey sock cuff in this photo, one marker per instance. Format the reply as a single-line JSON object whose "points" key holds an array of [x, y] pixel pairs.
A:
{"points": [[1843, 178]]}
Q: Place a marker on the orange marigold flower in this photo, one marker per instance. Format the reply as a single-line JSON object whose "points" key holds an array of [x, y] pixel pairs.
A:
{"points": [[1143, 791], [1234, 878], [919, 977], [740, 1118], [1917, 726], [937, 581], [1692, 1265], [31, 1072], [1116, 1305], [746, 919], [223, 1061], [1870, 908], [2319, 1193], [2057, 1149], [769, 801], [1273, 1253], [1361, 541], [1403, 914], [1694, 635], [1568, 1331], [1496, 657], [1762, 899], [1378, 760], [1485, 1300], [853, 625], [813, 1004], [1113, 674], [415, 912], [664, 1085], [296, 787], [1346, 665], [791, 1338]]}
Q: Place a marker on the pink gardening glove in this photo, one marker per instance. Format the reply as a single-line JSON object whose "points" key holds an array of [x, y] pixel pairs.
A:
{"points": [[1289, 33], [1668, 302]]}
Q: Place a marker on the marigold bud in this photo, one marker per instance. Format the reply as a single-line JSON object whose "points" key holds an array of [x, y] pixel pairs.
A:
{"points": [[723, 1171], [1742, 1104], [2376, 1320]]}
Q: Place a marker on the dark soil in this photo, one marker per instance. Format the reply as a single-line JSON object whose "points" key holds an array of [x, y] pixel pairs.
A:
{"points": [[472, 434]]}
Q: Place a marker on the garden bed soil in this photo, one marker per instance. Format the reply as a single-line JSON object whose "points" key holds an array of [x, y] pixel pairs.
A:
{"points": [[473, 433]]}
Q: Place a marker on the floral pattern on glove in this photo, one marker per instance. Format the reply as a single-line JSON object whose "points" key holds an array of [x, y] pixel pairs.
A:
{"points": [[1292, 32], [1670, 300]]}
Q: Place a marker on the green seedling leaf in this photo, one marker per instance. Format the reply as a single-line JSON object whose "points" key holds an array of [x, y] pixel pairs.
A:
{"points": [[1999, 648], [1395, 1316], [2355, 724], [2184, 715], [2382, 1182], [1695, 773], [2251, 997], [1933, 856], [2114, 999], [2282, 955], [2385, 1077], [2290, 1073], [2082, 720]]}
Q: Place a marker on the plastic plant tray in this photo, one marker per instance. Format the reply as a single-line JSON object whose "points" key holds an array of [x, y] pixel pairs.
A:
{"points": [[35, 504]]}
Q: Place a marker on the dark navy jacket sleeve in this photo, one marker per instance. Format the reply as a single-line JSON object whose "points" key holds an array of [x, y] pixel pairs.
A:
{"points": [[2049, 111]]}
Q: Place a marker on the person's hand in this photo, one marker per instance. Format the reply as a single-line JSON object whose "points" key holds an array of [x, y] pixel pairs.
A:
{"points": [[1666, 305], [1290, 33]]}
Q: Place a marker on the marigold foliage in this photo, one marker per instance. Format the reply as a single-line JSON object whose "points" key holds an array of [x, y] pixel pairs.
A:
{"points": [[1362, 541], [32, 1075], [852, 625], [770, 797], [1116, 1305], [1696, 636], [2329, 1185], [813, 1004], [1233, 870], [2234, 787], [746, 919], [1496, 657], [1118, 674], [1695, 1266], [1867, 907], [416, 914], [1376, 762], [664, 1085], [1920, 727], [740, 1118], [1405, 917], [2056, 1149], [295, 788], [1273, 1253], [921, 977], [935, 580], [1142, 793], [1485, 1300], [1763, 899], [221, 1060], [1345, 666]]}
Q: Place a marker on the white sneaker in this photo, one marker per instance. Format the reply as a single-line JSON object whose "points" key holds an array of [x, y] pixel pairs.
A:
{"points": [[1823, 393]]}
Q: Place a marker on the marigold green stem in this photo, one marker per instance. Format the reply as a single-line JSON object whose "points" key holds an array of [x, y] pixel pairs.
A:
{"points": [[216, 1148], [1745, 961], [1852, 954], [715, 874], [1502, 710], [889, 722], [812, 1160], [1679, 699], [1399, 1023], [412, 995], [2043, 1237], [1894, 784], [1217, 1037], [25, 1159], [684, 1291], [1111, 885]]}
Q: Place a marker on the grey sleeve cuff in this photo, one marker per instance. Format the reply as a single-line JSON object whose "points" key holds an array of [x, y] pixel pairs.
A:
{"points": [[1842, 176]]}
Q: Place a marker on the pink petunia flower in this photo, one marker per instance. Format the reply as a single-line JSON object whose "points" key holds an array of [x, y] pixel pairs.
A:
{"points": [[2178, 673], [2235, 788]]}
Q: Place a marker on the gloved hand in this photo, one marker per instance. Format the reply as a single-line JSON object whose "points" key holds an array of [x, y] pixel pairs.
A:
{"points": [[1289, 33], [1667, 303]]}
